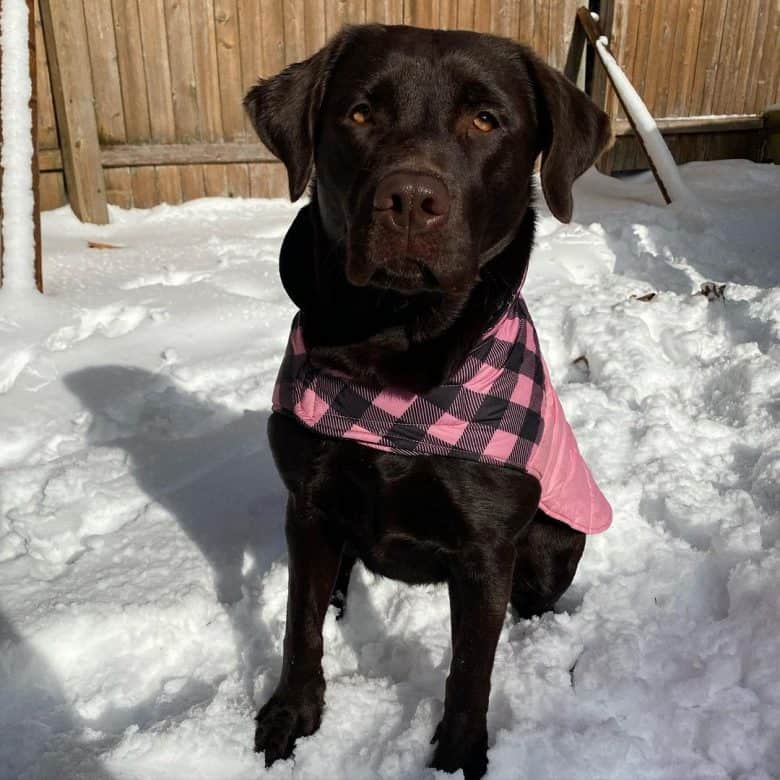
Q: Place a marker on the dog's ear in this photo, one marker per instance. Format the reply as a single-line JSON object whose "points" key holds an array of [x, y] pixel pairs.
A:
{"points": [[574, 132], [283, 110]]}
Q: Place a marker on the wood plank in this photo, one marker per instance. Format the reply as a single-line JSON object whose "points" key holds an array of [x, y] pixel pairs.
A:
{"points": [[144, 186], [314, 24], [52, 188], [502, 17], [168, 184], [600, 87], [47, 125], [681, 87], [132, 77], [524, 32], [229, 63], [335, 17], [725, 82], [768, 75], [466, 14], [259, 181], [570, 16], [119, 187], [448, 14], [204, 52], [182, 66], [356, 11], [134, 155], [273, 37], [385, 11], [293, 13], [159, 90], [562, 15], [250, 33], [754, 65], [575, 53], [541, 37], [268, 180], [421, 13], [105, 72], [642, 56], [482, 20], [661, 38], [750, 14], [66, 43], [708, 56], [277, 179], [192, 185], [698, 124], [215, 181], [238, 181], [158, 72]]}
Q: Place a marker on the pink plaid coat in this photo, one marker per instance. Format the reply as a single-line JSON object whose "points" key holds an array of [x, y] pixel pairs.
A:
{"points": [[498, 407]]}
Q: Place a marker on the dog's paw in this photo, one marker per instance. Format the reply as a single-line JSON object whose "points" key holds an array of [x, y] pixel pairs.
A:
{"points": [[460, 746], [281, 721]]}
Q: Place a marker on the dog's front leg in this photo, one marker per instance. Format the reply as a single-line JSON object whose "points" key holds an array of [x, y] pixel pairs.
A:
{"points": [[480, 586], [295, 709]]}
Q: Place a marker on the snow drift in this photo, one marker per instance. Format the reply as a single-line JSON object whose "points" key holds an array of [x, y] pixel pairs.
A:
{"points": [[142, 564]]}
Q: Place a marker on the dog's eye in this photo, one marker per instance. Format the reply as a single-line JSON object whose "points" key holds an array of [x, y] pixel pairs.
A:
{"points": [[361, 114], [484, 121]]}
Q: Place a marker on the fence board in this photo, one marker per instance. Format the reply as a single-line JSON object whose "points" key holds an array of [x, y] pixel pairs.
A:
{"points": [[144, 186], [182, 66], [119, 187], [66, 36], [52, 185], [132, 78], [238, 181], [215, 180], [105, 71], [230, 76], [204, 54]]}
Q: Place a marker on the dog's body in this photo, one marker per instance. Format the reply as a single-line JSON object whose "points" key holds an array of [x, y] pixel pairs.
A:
{"points": [[416, 239]]}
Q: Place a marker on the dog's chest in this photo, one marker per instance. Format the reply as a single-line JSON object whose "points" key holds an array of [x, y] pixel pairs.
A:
{"points": [[405, 518]]}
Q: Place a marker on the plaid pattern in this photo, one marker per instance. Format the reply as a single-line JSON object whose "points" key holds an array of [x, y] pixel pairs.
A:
{"points": [[490, 410]]}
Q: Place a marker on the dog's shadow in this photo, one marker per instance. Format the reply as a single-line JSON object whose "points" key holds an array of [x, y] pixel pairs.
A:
{"points": [[211, 468]]}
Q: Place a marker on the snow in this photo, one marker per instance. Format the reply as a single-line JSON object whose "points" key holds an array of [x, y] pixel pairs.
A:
{"points": [[17, 150], [653, 141], [142, 562]]}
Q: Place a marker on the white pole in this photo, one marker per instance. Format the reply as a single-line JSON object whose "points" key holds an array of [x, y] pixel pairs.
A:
{"points": [[17, 152], [654, 143]]}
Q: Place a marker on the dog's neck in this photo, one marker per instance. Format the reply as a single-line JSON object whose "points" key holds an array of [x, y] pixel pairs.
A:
{"points": [[409, 342]]}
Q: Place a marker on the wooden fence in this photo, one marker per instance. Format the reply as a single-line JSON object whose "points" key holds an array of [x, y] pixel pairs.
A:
{"points": [[166, 78], [707, 69]]}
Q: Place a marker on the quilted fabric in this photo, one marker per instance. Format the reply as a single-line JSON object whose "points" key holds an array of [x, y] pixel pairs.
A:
{"points": [[498, 407]]}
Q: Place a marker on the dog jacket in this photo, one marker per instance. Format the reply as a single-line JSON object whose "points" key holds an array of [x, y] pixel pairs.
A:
{"points": [[498, 407]]}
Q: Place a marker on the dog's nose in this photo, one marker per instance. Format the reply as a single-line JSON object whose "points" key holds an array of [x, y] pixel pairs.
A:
{"points": [[412, 201]]}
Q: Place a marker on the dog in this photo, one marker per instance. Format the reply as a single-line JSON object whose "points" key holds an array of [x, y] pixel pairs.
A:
{"points": [[420, 146]]}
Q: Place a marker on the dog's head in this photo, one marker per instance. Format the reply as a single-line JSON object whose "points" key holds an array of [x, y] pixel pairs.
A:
{"points": [[424, 143]]}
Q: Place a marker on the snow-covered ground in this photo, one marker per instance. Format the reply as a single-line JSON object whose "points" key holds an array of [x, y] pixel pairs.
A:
{"points": [[142, 562]]}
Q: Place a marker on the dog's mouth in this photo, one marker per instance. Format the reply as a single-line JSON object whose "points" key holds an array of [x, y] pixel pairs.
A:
{"points": [[409, 275]]}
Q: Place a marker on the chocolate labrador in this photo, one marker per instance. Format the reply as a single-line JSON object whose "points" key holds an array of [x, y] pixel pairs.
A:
{"points": [[404, 264]]}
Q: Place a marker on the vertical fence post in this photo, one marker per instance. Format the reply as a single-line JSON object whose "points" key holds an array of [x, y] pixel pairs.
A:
{"points": [[65, 33]]}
